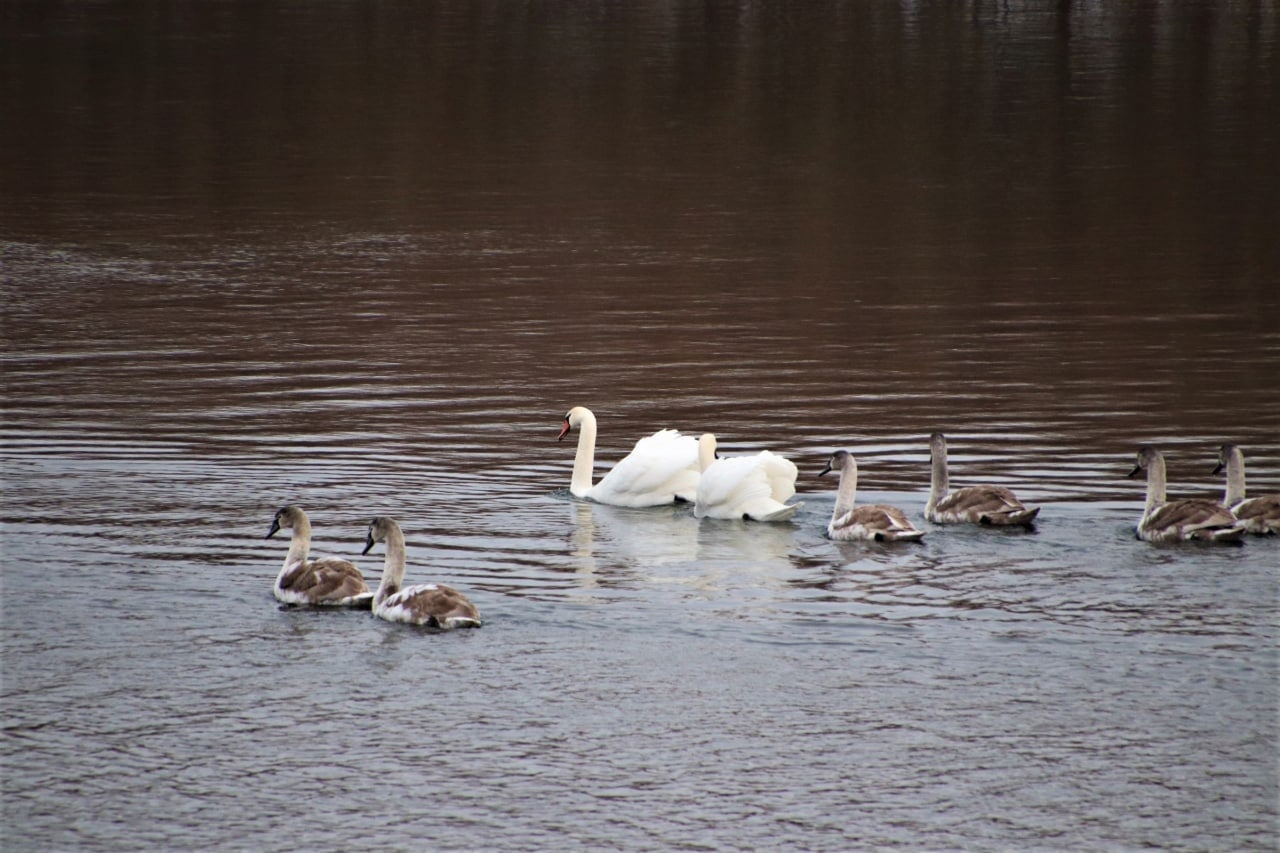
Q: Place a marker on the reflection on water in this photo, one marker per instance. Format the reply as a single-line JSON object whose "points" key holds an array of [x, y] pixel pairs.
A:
{"points": [[637, 537], [364, 259]]}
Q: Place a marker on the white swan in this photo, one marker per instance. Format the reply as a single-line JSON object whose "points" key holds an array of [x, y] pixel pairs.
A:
{"points": [[327, 581], [433, 605], [660, 469], [1260, 515], [744, 487], [877, 522], [994, 505], [1175, 521]]}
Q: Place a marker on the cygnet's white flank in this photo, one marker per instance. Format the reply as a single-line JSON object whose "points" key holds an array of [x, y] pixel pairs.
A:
{"points": [[1260, 515], [432, 605], [1176, 521], [328, 581], [877, 522], [744, 487], [661, 469], [994, 505]]}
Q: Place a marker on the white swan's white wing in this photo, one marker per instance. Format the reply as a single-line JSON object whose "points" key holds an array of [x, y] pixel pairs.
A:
{"points": [[727, 485], [659, 469], [781, 473], [740, 486]]}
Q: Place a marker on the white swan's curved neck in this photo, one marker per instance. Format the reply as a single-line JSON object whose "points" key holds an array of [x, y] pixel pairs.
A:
{"points": [[1235, 477], [392, 567], [848, 489], [584, 459], [706, 451]]}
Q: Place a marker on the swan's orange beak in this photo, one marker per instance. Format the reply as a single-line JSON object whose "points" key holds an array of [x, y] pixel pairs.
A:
{"points": [[564, 430]]}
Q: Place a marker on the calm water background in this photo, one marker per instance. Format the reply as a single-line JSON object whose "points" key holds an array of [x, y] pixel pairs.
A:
{"points": [[363, 257]]}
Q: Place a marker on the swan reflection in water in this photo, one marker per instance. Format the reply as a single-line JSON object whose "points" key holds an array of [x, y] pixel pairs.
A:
{"points": [[616, 545], [619, 536]]}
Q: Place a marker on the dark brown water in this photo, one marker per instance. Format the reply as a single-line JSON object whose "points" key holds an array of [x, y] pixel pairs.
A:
{"points": [[363, 257]]}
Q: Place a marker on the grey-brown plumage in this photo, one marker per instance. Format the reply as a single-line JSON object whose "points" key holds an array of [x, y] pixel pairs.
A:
{"points": [[328, 581], [993, 505], [433, 605], [1181, 520], [877, 522], [1261, 514]]}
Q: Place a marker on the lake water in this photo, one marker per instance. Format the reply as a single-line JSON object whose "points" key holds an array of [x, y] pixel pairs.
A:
{"points": [[364, 257]]}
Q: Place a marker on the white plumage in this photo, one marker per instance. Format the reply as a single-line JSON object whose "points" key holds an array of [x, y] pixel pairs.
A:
{"points": [[661, 469], [744, 487]]}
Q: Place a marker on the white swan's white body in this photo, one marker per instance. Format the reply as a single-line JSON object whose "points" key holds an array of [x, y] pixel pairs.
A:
{"points": [[1260, 515], [877, 522], [744, 487], [326, 582], [433, 605], [661, 469], [1181, 520]]}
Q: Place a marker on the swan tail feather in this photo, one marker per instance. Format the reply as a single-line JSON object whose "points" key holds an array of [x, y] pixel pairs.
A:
{"points": [[784, 513], [1016, 518], [1224, 534]]}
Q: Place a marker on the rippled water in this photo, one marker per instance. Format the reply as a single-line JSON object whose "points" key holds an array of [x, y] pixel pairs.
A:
{"points": [[391, 316]]}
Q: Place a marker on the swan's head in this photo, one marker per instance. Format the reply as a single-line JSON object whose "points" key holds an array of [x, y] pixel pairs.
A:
{"points": [[1225, 452], [937, 444], [289, 516], [574, 418], [706, 450], [1147, 457], [380, 529], [839, 460]]}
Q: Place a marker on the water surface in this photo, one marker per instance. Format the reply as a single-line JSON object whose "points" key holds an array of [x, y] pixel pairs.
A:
{"points": [[364, 257]]}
